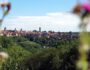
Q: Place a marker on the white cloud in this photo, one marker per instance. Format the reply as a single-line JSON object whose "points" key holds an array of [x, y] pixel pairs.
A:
{"points": [[52, 21]]}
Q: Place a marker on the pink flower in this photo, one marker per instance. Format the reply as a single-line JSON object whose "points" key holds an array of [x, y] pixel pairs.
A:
{"points": [[86, 6]]}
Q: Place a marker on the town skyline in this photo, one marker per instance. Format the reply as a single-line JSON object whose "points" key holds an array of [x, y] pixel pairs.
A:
{"points": [[34, 30]]}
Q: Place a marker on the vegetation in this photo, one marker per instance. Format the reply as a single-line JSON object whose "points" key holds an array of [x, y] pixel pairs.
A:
{"points": [[26, 54]]}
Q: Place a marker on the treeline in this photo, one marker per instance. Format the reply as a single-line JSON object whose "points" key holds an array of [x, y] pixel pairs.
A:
{"points": [[27, 54], [54, 41]]}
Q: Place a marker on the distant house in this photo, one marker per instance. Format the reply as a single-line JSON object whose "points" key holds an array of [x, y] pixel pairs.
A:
{"points": [[38, 34]]}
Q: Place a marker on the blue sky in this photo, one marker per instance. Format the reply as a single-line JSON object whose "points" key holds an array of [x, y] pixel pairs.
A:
{"points": [[32, 14], [40, 7]]}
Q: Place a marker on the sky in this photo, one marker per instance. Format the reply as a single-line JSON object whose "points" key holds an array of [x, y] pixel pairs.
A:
{"points": [[48, 14]]}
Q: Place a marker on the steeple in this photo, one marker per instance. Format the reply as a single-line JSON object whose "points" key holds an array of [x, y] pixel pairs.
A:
{"points": [[39, 29], [5, 28]]}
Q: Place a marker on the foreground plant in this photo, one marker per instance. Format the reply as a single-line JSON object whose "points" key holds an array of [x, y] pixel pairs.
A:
{"points": [[6, 7], [83, 10], [3, 57]]}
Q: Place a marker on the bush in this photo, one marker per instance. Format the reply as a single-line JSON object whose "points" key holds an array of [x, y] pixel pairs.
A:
{"points": [[53, 59]]}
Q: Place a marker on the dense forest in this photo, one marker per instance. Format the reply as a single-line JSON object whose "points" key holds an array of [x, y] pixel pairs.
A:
{"points": [[39, 53]]}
